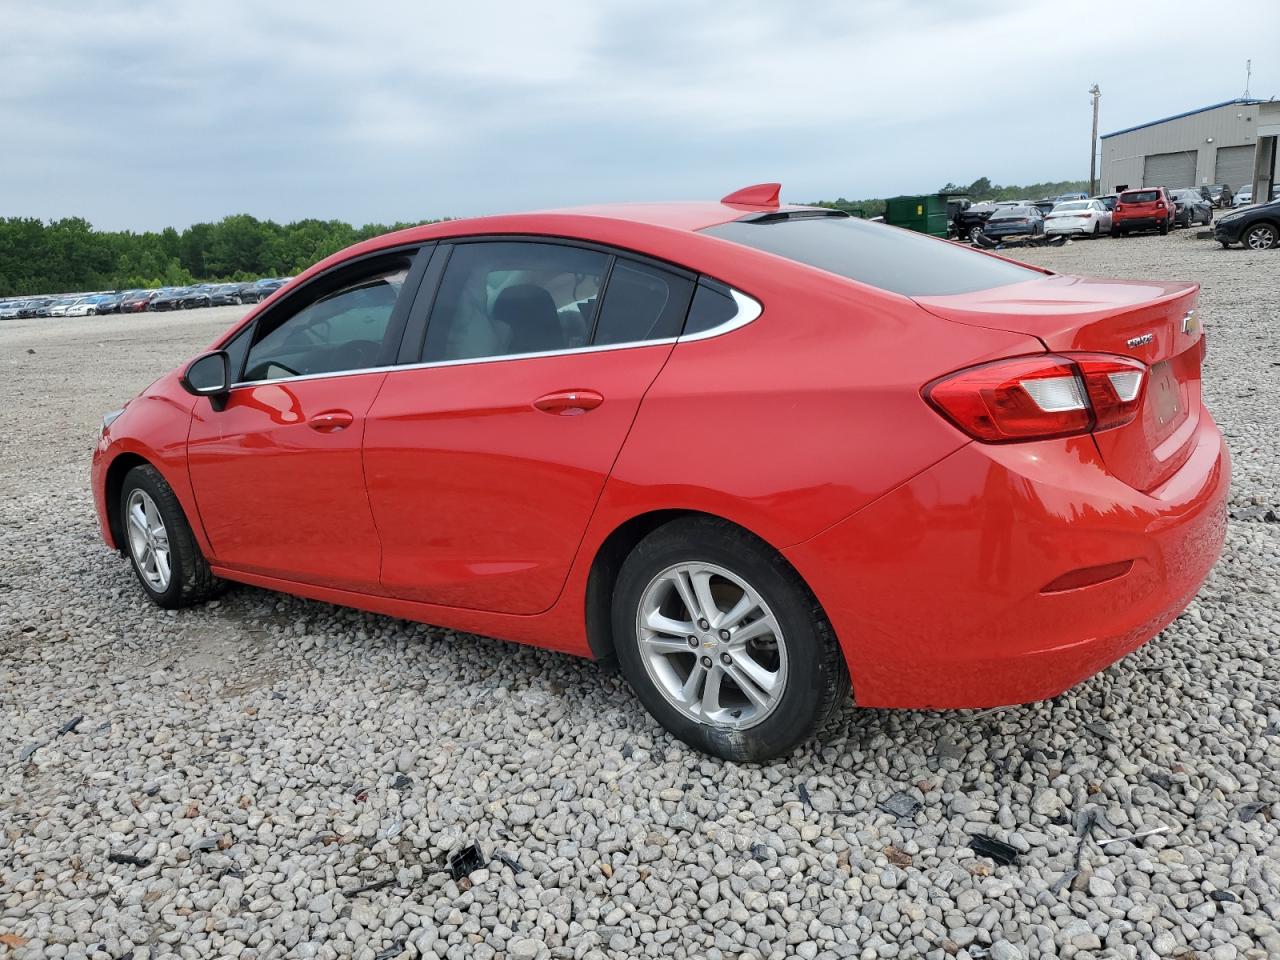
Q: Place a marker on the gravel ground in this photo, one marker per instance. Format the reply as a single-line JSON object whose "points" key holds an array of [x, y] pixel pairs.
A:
{"points": [[271, 777]]}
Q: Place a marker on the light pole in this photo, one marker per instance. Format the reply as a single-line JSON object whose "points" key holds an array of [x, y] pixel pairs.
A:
{"points": [[1093, 144]]}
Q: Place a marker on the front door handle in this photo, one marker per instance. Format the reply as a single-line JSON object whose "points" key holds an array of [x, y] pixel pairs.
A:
{"points": [[331, 421], [569, 403]]}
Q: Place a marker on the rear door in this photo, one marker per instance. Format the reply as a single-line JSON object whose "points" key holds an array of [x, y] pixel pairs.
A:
{"points": [[277, 473], [485, 460]]}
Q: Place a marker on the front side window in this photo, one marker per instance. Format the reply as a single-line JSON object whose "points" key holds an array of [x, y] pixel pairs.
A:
{"points": [[505, 298], [341, 328]]}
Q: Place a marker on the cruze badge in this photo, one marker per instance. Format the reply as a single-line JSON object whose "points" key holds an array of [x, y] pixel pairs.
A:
{"points": [[1189, 323], [1142, 340]]}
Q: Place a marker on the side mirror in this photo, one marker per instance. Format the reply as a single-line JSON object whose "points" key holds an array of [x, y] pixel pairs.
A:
{"points": [[209, 376]]}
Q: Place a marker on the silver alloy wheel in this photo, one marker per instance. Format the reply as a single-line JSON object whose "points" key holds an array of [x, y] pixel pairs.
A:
{"points": [[1260, 237], [711, 645], [148, 540]]}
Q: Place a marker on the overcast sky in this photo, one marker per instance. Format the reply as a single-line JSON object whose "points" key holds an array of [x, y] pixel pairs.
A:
{"points": [[141, 114]]}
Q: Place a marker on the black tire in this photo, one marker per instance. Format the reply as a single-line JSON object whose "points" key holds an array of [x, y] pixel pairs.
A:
{"points": [[1164, 228], [190, 579], [816, 680], [1097, 228], [975, 232], [1115, 232], [1261, 236]]}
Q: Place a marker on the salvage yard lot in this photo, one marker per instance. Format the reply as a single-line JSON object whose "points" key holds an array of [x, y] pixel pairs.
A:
{"points": [[272, 777]]}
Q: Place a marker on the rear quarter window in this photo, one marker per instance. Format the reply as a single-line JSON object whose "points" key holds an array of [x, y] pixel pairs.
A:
{"points": [[880, 256]]}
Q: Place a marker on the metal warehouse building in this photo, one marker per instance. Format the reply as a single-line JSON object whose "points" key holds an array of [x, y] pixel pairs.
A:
{"points": [[1215, 144]]}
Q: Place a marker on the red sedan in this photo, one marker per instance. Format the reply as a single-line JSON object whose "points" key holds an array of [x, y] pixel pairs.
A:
{"points": [[755, 453]]}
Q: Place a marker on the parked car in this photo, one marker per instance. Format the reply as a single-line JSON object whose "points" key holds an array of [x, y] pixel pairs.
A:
{"points": [[1257, 228], [1078, 217], [968, 222], [1108, 200], [9, 309], [138, 301], [105, 303], [224, 294], [170, 298], [197, 296], [1150, 208], [1190, 207], [60, 306], [1213, 193], [1062, 198], [1032, 489], [37, 307], [260, 290], [1045, 206], [82, 307], [1243, 197], [1007, 222]]}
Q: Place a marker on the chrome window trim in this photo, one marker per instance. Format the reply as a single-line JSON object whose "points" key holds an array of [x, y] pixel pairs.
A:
{"points": [[749, 309]]}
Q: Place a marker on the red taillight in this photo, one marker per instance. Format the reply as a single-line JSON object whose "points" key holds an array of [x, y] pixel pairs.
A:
{"points": [[1118, 208], [1159, 204], [1035, 398]]}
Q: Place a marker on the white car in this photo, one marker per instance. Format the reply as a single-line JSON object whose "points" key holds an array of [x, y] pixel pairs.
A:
{"points": [[83, 307], [1244, 197], [1083, 217]]}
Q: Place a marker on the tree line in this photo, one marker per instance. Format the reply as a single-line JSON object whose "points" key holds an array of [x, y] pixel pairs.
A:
{"points": [[70, 255], [980, 189]]}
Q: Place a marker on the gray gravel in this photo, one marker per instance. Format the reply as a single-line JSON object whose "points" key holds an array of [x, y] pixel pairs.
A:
{"points": [[271, 777]]}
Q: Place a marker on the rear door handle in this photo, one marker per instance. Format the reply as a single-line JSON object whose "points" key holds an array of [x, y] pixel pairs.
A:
{"points": [[331, 421], [569, 403]]}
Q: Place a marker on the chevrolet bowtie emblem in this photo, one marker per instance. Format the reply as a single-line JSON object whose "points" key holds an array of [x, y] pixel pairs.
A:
{"points": [[1189, 323]]}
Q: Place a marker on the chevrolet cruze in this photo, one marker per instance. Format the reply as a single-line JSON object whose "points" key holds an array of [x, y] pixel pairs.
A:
{"points": [[761, 456]]}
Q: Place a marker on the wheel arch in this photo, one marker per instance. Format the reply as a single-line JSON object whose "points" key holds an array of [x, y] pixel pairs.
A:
{"points": [[608, 560], [112, 485]]}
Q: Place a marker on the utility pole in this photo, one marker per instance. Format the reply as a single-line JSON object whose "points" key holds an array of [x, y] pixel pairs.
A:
{"points": [[1093, 144], [1248, 77]]}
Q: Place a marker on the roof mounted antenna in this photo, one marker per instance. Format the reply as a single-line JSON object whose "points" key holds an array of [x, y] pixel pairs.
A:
{"points": [[756, 195]]}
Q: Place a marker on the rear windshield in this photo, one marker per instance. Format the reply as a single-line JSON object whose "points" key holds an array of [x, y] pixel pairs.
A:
{"points": [[1140, 196], [1012, 213], [899, 261]]}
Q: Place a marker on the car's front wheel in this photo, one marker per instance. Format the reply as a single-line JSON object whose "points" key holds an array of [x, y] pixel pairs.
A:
{"points": [[723, 642], [161, 545], [1261, 236]]}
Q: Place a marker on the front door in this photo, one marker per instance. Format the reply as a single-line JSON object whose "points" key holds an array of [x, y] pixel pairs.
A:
{"points": [[485, 464], [277, 474]]}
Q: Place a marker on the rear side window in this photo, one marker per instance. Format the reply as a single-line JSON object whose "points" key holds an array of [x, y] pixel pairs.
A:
{"points": [[712, 306], [1140, 196], [507, 298], [642, 302], [899, 261]]}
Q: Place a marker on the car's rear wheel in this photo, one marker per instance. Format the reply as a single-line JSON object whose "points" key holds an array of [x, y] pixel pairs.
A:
{"points": [[723, 642], [1164, 228], [1097, 228], [161, 545], [1261, 236], [1115, 231]]}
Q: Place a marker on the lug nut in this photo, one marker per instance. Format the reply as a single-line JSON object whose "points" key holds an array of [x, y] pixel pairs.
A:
{"points": [[706, 662], [703, 625], [726, 659], [693, 642], [724, 634]]}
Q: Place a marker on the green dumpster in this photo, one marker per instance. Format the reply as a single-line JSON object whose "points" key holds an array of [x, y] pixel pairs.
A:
{"points": [[927, 214]]}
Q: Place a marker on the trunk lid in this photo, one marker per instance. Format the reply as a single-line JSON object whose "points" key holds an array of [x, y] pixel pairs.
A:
{"points": [[1152, 321]]}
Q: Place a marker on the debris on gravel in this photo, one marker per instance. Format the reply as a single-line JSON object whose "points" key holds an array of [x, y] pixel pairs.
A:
{"points": [[250, 720]]}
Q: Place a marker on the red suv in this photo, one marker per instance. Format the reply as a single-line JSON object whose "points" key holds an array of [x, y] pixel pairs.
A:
{"points": [[1150, 208]]}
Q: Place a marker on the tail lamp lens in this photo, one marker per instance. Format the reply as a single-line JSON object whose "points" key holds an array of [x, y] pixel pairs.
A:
{"points": [[1036, 398]]}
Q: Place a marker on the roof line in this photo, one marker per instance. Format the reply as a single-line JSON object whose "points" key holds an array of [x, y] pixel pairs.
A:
{"points": [[1179, 116]]}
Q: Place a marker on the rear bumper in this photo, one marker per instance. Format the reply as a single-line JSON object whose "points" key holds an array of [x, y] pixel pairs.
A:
{"points": [[936, 590], [1055, 228], [1140, 223]]}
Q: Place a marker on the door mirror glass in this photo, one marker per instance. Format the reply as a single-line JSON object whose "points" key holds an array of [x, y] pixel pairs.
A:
{"points": [[208, 375]]}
